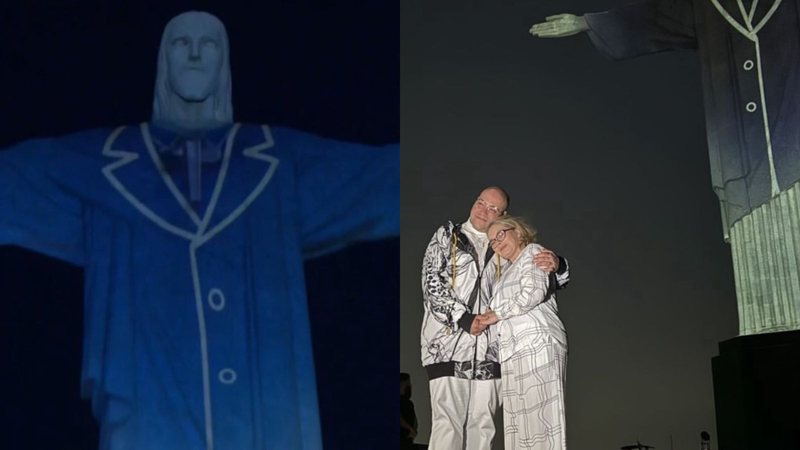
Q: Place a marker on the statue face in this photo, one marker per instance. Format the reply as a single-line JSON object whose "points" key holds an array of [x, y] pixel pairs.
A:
{"points": [[194, 57]]}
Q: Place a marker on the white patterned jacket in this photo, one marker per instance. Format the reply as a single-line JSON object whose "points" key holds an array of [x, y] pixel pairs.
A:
{"points": [[452, 295], [525, 302]]}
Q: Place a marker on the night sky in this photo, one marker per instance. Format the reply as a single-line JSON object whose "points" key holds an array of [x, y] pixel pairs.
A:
{"points": [[608, 160], [331, 68]]}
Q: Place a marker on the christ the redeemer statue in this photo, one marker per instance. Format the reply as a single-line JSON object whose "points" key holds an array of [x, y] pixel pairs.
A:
{"points": [[751, 78], [192, 230]]}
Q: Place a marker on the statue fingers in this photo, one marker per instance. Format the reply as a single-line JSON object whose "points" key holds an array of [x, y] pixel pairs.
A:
{"points": [[542, 29], [556, 17]]}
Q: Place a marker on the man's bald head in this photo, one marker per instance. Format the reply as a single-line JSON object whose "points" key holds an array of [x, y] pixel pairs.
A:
{"points": [[490, 204]]}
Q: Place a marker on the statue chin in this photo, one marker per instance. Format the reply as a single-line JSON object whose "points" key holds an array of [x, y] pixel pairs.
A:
{"points": [[193, 97], [194, 88]]}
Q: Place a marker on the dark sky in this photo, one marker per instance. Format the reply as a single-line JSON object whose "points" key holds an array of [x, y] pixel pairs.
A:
{"points": [[608, 160], [331, 68]]}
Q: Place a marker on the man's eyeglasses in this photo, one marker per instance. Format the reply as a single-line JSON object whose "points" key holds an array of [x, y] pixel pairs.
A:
{"points": [[498, 238], [487, 206]]}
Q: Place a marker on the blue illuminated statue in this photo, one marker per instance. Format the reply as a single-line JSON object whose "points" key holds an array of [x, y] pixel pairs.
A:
{"points": [[192, 231]]}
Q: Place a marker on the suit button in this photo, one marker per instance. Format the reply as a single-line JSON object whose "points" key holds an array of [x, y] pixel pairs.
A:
{"points": [[748, 65], [216, 299], [227, 376], [751, 107]]}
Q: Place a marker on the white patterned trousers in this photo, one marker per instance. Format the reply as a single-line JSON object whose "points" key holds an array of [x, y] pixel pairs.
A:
{"points": [[533, 398], [463, 413]]}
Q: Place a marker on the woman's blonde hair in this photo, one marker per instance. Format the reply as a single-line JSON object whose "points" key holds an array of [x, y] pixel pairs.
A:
{"points": [[527, 234]]}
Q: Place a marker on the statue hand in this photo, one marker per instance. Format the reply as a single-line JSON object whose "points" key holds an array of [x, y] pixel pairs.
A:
{"points": [[560, 25]]}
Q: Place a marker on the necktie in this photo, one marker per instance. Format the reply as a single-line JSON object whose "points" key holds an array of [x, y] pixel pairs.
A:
{"points": [[195, 151]]}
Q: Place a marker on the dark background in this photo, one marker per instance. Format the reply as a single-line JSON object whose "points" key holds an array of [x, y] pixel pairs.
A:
{"points": [[609, 161], [331, 68]]}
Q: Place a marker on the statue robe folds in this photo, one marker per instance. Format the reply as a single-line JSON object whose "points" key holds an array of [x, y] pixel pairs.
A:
{"points": [[750, 54], [196, 323]]}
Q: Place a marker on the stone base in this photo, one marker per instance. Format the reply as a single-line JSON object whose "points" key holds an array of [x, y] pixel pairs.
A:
{"points": [[757, 392]]}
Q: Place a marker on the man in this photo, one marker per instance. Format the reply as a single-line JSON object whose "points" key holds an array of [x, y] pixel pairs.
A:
{"points": [[192, 231], [463, 369]]}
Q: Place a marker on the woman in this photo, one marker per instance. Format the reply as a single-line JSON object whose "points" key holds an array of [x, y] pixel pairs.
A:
{"points": [[532, 344]]}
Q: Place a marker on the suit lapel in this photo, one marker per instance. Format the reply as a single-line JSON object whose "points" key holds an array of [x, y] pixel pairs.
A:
{"points": [[136, 168], [749, 18], [134, 175], [243, 177]]}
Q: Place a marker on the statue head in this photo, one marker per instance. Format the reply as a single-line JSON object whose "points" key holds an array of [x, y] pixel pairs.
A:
{"points": [[193, 72]]}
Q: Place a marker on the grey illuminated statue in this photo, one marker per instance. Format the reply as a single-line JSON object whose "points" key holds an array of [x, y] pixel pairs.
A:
{"points": [[751, 74], [192, 230]]}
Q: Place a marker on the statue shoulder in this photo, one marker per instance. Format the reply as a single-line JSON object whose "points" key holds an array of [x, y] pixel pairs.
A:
{"points": [[84, 142]]}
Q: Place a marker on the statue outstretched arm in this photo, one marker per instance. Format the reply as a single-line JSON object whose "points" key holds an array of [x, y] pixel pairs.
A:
{"points": [[36, 212], [348, 192], [631, 30], [560, 25]]}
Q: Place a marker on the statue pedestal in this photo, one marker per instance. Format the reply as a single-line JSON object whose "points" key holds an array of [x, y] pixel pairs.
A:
{"points": [[757, 392]]}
